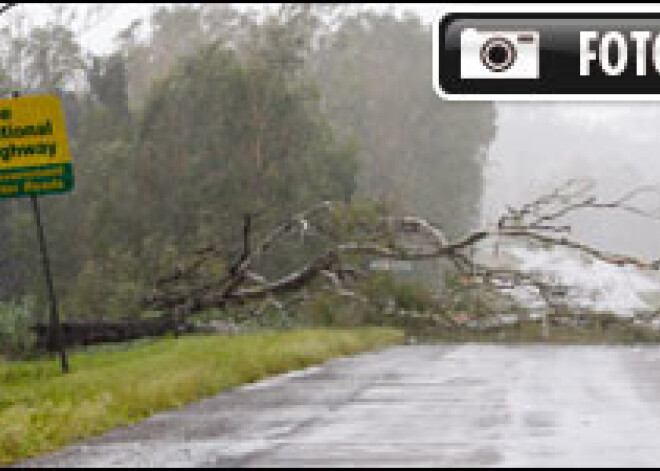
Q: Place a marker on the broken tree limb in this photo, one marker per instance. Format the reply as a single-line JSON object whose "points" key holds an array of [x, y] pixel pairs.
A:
{"points": [[541, 221]]}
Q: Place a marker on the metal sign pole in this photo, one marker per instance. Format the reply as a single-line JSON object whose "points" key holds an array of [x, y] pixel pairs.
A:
{"points": [[56, 341]]}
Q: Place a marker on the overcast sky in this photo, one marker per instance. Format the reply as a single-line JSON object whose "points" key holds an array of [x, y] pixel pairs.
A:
{"points": [[119, 15]]}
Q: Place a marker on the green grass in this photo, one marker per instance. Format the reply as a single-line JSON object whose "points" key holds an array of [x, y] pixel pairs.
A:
{"points": [[42, 410]]}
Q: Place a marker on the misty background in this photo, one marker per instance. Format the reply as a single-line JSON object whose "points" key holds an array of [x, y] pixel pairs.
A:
{"points": [[536, 144], [615, 144], [184, 118]]}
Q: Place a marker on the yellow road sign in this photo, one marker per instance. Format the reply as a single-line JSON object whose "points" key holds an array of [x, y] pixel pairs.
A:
{"points": [[34, 151]]}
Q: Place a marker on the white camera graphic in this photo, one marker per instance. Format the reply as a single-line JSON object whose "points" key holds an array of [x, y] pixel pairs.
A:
{"points": [[499, 54]]}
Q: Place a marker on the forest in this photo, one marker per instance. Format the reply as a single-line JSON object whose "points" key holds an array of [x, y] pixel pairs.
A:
{"points": [[215, 113]]}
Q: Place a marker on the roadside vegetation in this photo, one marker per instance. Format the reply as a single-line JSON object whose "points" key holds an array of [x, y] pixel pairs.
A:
{"points": [[41, 410], [618, 333]]}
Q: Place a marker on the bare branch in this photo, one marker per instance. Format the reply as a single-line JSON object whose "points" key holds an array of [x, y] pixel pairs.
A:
{"points": [[390, 237]]}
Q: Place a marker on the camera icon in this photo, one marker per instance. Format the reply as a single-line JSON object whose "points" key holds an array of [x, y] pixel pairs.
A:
{"points": [[499, 54]]}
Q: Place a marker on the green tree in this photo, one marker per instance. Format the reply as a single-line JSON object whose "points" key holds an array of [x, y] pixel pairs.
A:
{"points": [[222, 137]]}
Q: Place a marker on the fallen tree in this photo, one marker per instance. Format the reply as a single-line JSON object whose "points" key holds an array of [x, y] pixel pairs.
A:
{"points": [[540, 223]]}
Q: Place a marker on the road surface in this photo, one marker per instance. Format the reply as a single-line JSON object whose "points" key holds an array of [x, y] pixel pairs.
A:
{"points": [[472, 405]]}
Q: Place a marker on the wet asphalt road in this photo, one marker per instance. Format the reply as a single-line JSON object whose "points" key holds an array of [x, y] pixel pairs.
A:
{"points": [[472, 405]]}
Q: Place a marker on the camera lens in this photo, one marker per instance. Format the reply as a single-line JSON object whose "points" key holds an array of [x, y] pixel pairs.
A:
{"points": [[498, 54]]}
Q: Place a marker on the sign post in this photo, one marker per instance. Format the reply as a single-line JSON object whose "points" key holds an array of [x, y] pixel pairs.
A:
{"points": [[56, 341], [35, 161]]}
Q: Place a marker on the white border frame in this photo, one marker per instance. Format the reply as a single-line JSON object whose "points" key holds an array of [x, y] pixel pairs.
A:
{"points": [[535, 8]]}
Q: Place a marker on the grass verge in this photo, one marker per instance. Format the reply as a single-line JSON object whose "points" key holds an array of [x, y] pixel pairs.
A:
{"points": [[41, 410]]}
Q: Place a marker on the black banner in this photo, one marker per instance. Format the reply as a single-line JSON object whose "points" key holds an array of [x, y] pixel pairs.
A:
{"points": [[548, 53]]}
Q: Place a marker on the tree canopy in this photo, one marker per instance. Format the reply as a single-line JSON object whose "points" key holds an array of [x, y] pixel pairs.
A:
{"points": [[176, 134]]}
